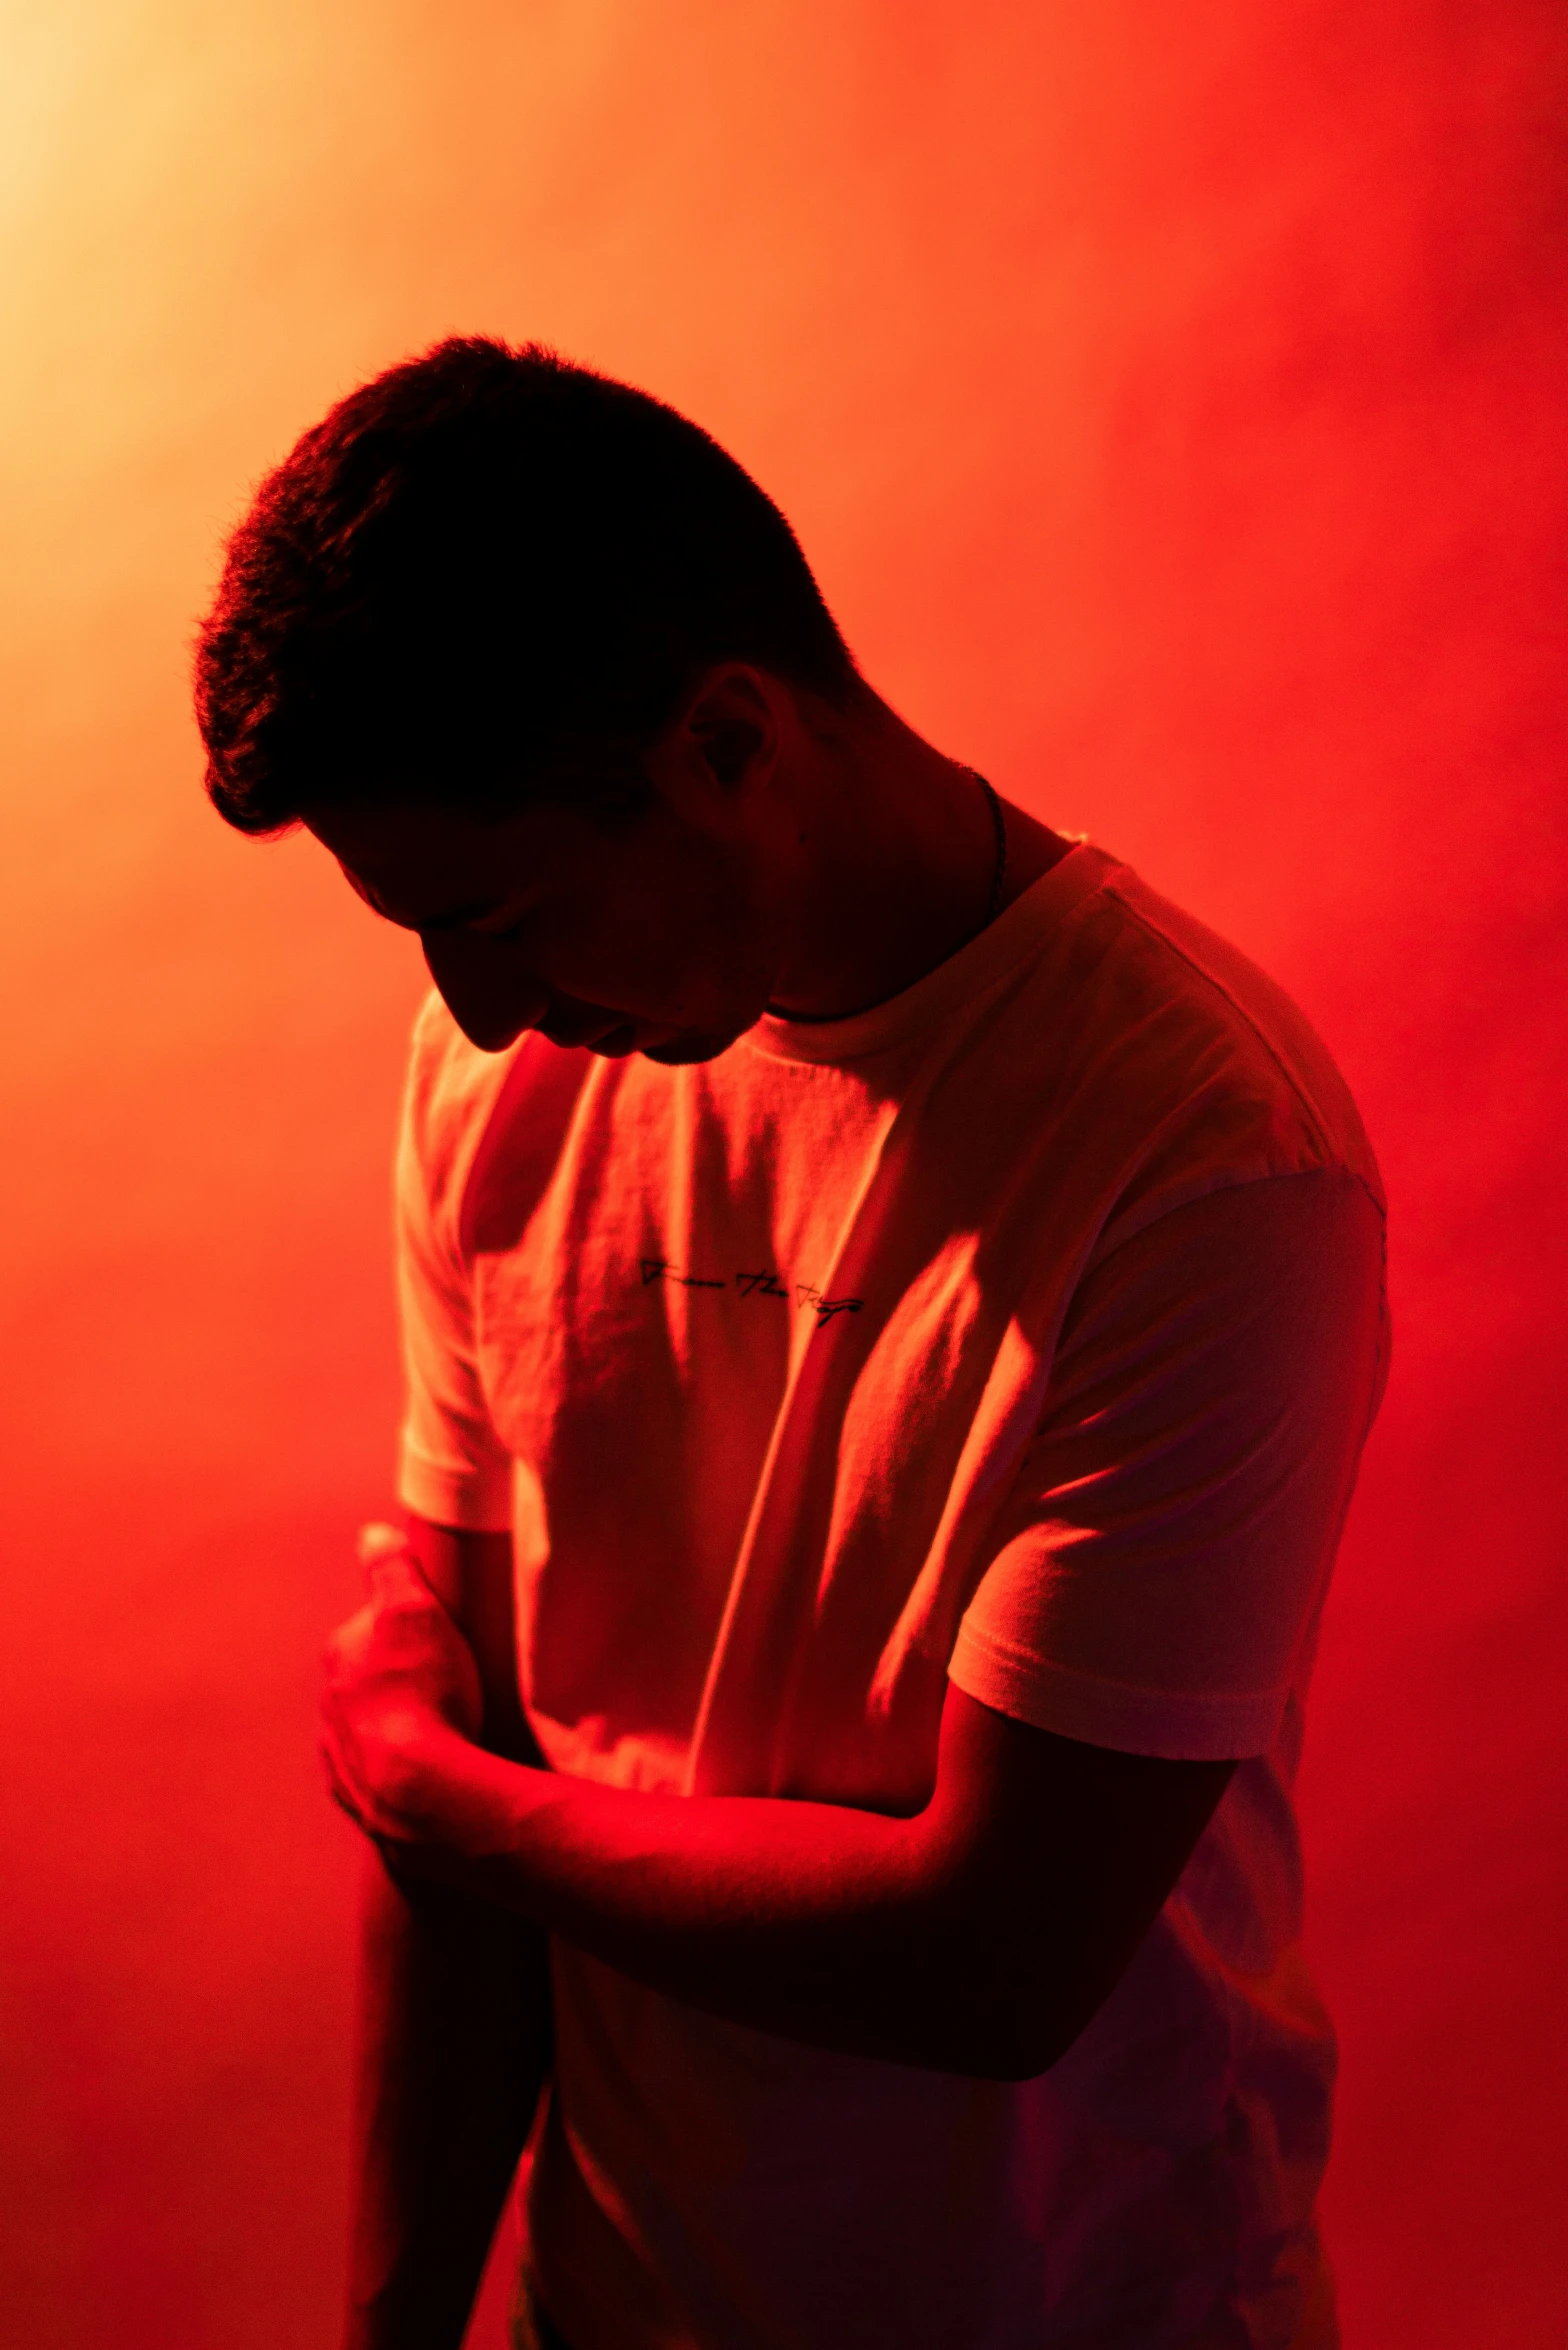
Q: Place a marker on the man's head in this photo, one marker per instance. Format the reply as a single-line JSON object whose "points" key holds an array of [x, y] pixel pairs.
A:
{"points": [[492, 631]]}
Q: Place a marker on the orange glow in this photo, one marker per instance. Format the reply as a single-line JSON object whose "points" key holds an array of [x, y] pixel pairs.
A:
{"points": [[1173, 417]]}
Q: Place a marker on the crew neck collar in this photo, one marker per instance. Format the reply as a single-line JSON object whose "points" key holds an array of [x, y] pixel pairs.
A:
{"points": [[989, 956]]}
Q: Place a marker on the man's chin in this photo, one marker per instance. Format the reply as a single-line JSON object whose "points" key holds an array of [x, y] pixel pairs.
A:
{"points": [[678, 1051]]}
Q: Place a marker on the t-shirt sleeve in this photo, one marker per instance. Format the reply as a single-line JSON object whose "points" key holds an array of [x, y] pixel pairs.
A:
{"points": [[452, 1466], [1168, 1543]]}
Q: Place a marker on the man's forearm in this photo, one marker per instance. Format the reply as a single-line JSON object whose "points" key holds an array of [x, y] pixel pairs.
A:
{"points": [[977, 1936], [803, 1919], [844, 1928], [453, 2045]]}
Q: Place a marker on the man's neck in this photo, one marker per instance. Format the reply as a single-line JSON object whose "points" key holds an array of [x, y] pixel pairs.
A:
{"points": [[903, 858]]}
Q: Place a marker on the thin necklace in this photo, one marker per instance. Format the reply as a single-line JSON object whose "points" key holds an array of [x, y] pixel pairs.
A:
{"points": [[993, 906], [999, 825]]}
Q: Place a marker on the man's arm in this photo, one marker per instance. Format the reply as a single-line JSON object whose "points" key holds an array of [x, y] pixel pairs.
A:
{"points": [[978, 1936], [454, 2024]]}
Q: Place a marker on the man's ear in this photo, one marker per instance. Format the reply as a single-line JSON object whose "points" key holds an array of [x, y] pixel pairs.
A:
{"points": [[733, 726]]}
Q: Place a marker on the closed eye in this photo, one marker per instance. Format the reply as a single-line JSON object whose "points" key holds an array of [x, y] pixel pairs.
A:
{"points": [[509, 930]]}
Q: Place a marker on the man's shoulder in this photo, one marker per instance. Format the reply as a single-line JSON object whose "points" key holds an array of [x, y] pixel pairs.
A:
{"points": [[480, 1129], [1176, 1047], [448, 1101], [451, 1085]]}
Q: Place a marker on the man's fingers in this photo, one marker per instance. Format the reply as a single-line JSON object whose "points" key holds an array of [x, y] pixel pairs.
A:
{"points": [[391, 1569], [382, 1550], [337, 1786], [395, 1631], [376, 1540], [348, 1646], [403, 1640]]}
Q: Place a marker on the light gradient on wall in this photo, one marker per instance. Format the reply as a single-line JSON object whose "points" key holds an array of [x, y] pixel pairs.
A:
{"points": [[1170, 401]]}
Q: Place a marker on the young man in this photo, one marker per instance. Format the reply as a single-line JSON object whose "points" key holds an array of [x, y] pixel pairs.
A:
{"points": [[892, 1310]]}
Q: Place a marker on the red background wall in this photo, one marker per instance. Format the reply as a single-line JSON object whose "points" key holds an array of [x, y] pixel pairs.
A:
{"points": [[1171, 400]]}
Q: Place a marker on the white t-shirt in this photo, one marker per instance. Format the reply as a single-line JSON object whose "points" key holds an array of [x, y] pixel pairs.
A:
{"points": [[1023, 1331]]}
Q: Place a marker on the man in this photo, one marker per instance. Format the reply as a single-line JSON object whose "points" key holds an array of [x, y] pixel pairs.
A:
{"points": [[892, 1309]]}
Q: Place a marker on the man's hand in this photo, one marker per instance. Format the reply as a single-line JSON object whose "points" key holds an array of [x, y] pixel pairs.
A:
{"points": [[402, 1690]]}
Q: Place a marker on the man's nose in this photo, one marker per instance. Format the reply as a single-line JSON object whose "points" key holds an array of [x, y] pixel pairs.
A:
{"points": [[488, 990]]}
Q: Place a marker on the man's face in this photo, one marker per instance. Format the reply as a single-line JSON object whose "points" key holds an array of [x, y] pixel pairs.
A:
{"points": [[650, 935]]}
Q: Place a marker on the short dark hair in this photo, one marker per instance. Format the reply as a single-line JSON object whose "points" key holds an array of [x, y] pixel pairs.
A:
{"points": [[489, 575]]}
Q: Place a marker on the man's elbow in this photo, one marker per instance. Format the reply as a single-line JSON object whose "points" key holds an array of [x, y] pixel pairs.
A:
{"points": [[1018, 2033], [1012, 2053]]}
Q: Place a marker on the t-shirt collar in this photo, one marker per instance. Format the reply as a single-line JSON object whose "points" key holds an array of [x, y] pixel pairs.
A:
{"points": [[988, 957]]}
